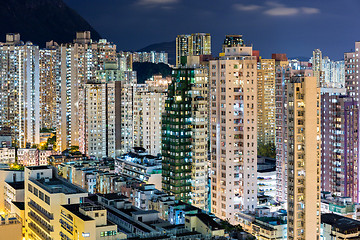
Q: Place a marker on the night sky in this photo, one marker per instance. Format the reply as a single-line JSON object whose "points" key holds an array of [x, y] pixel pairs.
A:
{"points": [[295, 27]]}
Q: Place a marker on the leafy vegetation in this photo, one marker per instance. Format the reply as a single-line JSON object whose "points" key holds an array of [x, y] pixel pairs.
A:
{"points": [[16, 166], [74, 149], [47, 130], [267, 150]]}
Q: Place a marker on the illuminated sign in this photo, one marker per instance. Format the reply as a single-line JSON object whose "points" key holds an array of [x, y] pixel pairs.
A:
{"points": [[86, 234]]}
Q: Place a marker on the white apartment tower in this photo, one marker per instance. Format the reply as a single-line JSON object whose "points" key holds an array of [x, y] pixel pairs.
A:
{"points": [[49, 65], [148, 108], [233, 132], [19, 90], [109, 108], [79, 62]]}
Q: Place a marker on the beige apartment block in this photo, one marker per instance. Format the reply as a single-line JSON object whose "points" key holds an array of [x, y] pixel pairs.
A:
{"points": [[45, 192], [266, 101], [233, 130], [304, 152]]}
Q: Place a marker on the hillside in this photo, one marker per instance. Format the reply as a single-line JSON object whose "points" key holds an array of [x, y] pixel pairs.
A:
{"points": [[146, 70], [40, 21]]}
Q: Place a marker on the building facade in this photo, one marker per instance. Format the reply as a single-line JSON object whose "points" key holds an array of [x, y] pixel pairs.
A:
{"points": [[49, 63], [184, 137], [148, 107], [233, 132], [303, 157], [79, 62], [339, 133], [194, 44], [266, 101], [19, 97]]}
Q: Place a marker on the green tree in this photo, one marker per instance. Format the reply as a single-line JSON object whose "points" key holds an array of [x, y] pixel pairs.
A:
{"points": [[267, 150], [74, 148]]}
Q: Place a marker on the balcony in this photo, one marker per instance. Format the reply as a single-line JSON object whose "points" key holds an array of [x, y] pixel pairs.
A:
{"points": [[47, 228], [38, 232], [41, 212]]}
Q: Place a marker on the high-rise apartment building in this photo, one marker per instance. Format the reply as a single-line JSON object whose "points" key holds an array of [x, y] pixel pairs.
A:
{"points": [[194, 44], [49, 66], [79, 62], [233, 41], [149, 105], [125, 61], [152, 57], [303, 157], [352, 82], [339, 149], [330, 73], [233, 131], [184, 136], [19, 90], [128, 91], [284, 72], [334, 73], [108, 108], [266, 101]]}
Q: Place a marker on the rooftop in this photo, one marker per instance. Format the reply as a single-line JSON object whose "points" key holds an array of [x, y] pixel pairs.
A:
{"points": [[17, 185], [208, 221], [113, 196], [74, 208], [274, 221], [343, 224], [38, 167], [57, 185]]}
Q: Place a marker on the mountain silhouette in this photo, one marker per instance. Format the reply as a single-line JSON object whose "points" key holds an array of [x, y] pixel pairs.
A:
{"points": [[40, 21]]}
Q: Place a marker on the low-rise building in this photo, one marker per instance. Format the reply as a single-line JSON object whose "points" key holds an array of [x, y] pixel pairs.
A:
{"points": [[8, 176], [140, 165], [266, 175], [10, 227], [7, 155], [204, 224], [336, 227], [33, 156], [343, 206], [264, 224], [269, 228], [45, 192], [13, 192], [140, 224], [179, 210], [86, 221]]}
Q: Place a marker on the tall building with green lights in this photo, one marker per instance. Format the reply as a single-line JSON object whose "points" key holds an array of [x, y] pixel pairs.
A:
{"points": [[184, 136]]}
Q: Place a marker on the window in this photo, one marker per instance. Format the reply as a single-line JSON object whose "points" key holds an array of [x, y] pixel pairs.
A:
{"points": [[47, 199], [41, 195]]}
